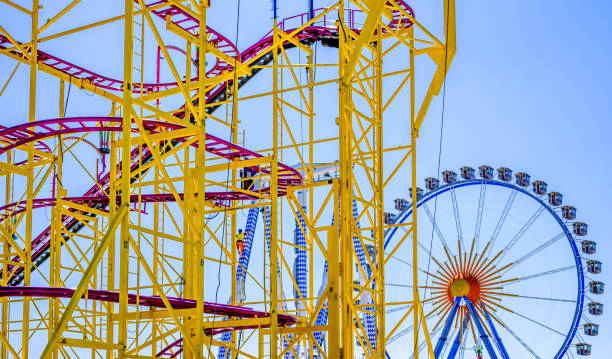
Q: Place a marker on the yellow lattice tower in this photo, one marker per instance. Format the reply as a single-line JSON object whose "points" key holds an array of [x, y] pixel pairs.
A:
{"points": [[113, 279]]}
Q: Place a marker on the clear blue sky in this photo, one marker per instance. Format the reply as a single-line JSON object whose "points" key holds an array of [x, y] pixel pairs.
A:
{"points": [[529, 89]]}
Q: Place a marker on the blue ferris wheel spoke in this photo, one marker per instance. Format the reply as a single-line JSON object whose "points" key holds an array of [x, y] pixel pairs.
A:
{"points": [[403, 261], [436, 228], [542, 274], [518, 339], [408, 330], [481, 199], [498, 340], [400, 308], [463, 342], [502, 219], [537, 250], [398, 285], [457, 218], [419, 243], [538, 323], [522, 231], [481, 331], [424, 342], [447, 327], [545, 298]]}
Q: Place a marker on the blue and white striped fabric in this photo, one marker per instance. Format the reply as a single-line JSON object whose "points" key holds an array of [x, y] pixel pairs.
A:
{"points": [[322, 316], [249, 234], [267, 233], [370, 319], [301, 258]]}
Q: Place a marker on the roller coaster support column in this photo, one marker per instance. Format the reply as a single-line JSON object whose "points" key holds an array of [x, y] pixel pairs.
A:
{"points": [[379, 235], [334, 301], [200, 175], [56, 233], [237, 295], [361, 159], [112, 246], [81, 288], [274, 304], [415, 273], [124, 242], [30, 180], [189, 281], [344, 211], [481, 330], [6, 249], [310, 178]]}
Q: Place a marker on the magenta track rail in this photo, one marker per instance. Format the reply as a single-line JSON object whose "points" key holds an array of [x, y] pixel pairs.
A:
{"points": [[163, 8], [154, 302], [96, 196], [20, 135], [185, 21]]}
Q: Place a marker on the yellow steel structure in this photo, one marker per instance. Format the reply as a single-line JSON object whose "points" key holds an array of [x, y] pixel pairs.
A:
{"points": [[184, 246]]}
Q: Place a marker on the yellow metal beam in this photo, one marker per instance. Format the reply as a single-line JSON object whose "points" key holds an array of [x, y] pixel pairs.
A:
{"points": [[365, 36], [83, 283], [25, 54], [80, 343], [17, 6], [58, 15], [9, 79]]}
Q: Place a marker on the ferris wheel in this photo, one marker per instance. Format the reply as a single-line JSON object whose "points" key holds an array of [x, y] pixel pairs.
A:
{"points": [[505, 270]]}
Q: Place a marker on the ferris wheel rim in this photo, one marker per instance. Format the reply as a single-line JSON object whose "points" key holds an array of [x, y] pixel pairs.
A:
{"points": [[402, 216]]}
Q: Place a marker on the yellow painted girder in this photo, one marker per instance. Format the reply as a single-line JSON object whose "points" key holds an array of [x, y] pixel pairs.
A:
{"points": [[9, 168], [83, 283], [58, 15], [81, 343], [20, 8]]}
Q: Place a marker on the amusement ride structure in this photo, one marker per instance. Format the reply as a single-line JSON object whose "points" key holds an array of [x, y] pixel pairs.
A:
{"points": [[208, 213]]}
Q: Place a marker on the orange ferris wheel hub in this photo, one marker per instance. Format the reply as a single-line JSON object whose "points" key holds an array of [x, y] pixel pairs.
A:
{"points": [[465, 286]]}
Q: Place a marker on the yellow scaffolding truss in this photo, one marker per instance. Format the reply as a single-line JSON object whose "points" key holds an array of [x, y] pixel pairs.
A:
{"points": [[143, 278]]}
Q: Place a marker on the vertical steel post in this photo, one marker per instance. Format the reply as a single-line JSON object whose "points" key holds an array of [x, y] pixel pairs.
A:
{"points": [[274, 285], [233, 225], [346, 222], [124, 250], [56, 233], [379, 198], [188, 178], [200, 182], [30, 182], [413, 134], [6, 250], [111, 252], [334, 285], [310, 179]]}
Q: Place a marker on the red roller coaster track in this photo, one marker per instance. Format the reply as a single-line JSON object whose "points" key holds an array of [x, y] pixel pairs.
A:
{"points": [[97, 196], [154, 302]]}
